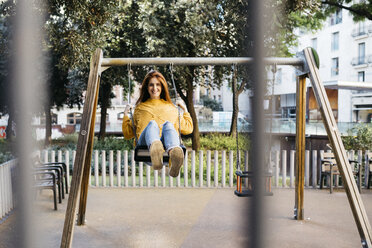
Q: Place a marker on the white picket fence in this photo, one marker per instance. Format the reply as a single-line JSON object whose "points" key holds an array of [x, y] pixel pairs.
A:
{"points": [[118, 169], [6, 189]]}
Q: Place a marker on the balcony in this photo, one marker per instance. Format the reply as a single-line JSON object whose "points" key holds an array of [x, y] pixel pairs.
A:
{"points": [[360, 32], [363, 60]]}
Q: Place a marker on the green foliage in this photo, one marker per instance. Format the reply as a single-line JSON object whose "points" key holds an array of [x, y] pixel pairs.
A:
{"points": [[5, 151], [113, 143], [211, 103], [69, 142], [220, 142], [358, 138], [360, 10]]}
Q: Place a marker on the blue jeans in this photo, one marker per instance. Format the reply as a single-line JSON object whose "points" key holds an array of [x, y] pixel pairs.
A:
{"points": [[169, 136]]}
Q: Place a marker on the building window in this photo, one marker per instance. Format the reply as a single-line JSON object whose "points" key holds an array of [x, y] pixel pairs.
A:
{"points": [[314, 43], [121, 116], [336, 17], [335, 41], [361, 76], [361, 53], [279, 75], [98, 118], [54, 119], [335, 67], [74, 118]]}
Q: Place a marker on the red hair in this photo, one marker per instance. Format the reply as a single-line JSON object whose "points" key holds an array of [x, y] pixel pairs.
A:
{"points": [[144, 94]]}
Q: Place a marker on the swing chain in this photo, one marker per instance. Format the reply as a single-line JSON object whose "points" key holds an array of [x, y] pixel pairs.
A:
{"points": [[130, 108], [175, 94]]}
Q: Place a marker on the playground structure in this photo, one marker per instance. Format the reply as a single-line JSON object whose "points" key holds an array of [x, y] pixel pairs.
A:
{"points": [[307, 67]]}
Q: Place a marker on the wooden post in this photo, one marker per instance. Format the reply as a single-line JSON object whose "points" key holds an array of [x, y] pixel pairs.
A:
{"points": [[84, 147], [355, 201], [300, 147]]}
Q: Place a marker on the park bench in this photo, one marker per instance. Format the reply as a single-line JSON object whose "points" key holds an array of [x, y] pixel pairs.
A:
{"points": [[57, 180], [329, 169], [46, 180]]}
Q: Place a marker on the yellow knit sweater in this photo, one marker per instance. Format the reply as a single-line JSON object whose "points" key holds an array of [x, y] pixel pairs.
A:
{"points": [[158, 110]]}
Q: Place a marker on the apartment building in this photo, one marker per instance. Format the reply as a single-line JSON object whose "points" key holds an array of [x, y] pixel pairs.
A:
{"points": [[345, 52]]}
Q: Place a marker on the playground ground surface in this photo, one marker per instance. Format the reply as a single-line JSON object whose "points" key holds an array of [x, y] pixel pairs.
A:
{"points": [[186, 217]]}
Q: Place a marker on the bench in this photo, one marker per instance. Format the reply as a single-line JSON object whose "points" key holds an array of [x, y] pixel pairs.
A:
{"points": [[329, 169], [46, 180]]}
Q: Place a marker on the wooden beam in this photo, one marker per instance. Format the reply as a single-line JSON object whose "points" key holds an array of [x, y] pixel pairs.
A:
{"points": [[87, 163], [81, 149], [355, 201], [300, 147]]}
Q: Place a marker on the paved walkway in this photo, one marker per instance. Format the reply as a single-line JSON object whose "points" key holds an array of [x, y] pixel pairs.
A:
{"points": [[195, 218]]}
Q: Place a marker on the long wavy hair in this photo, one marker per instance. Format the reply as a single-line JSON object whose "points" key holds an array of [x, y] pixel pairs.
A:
{"points": [[144, 94]]}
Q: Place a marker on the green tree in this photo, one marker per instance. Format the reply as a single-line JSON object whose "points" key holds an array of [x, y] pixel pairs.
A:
{"points": [[211, 103], [127, 41], [181, 29], [359, 9], [359, 138]]}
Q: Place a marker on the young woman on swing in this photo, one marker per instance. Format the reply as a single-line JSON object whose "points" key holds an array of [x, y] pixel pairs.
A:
{"points": [[156, 122]]}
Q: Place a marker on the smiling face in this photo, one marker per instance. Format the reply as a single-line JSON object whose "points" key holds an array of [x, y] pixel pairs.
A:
{"points": [[154, 88]]}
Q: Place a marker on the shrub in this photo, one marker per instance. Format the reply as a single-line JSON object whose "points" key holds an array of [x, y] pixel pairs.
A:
{"points": [[358, 138], [217, 141]]}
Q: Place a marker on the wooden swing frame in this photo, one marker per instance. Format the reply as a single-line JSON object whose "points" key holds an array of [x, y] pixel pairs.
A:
{"points": [[309, 69]]}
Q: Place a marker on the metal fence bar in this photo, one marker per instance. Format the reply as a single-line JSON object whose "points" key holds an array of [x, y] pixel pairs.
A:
{"points": [[133, 164], [201, 169], [223, 169], [148, 176], [118, 167], [193, 169], [276, 168], [6, 190], [103, 168], [140, 165], [307, 167], [284, 168], [67, 161], [208, 168], [96, 169], [111, 168], [314, 168], [231, 168], [163, 177], [215, 168], [291, 168], [126, 180], [186, 170]]}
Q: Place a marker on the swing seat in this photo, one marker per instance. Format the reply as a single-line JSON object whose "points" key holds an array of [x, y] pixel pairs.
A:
{"points": [[249, 191], [142, 154]]}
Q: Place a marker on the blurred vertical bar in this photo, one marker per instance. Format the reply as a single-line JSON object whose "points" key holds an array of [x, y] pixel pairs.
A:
{"points": [[27, 80], [256, 8]]}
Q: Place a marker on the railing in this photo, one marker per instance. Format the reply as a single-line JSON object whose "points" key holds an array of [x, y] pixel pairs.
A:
{"points": [[359, 32], [360, 60], [205, 169], [6, 188]]}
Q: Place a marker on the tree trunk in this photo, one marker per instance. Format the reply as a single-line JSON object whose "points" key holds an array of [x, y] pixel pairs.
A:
{"points": [[106, 91], [8, 130], [188, 99], [234, 118], [48, 126], [190, 107]]}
